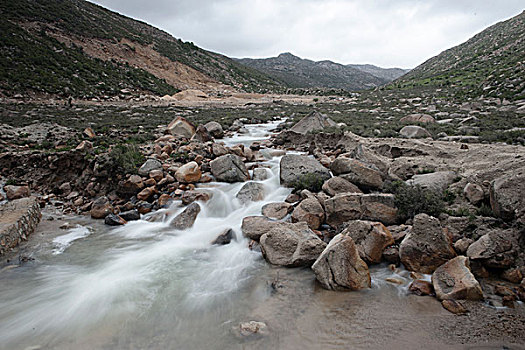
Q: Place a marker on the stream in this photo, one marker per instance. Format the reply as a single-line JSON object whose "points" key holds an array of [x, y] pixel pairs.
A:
{"points": [[145, 285]]}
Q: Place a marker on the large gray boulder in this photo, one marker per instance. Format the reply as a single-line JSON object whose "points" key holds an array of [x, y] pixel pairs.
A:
{"points": [[229, 168], [277, 210], [414, 132], [339, 266], [215, 129], [181, 127], [496, 249], [254, 227], [336, 185], [149, 165], [313, 122], [251, 192], [427, 246], [453, 280], [357, 206], [438, 181], [187, 218], [507, 196], [371, 239], [361, 174], [309, 211], [294, 167], [287, 244]]}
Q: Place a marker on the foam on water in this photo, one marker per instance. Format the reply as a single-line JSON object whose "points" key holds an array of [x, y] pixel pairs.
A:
{"points": [[62, 242]]}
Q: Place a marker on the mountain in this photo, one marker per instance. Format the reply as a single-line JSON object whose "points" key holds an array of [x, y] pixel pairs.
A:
{"points": [[383, 73], [302, 73], [490, 64], [76, 48]]}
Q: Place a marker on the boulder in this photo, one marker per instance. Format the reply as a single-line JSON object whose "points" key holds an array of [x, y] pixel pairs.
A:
{"points": [[229, 168], [260, 174], [149, 165], [495, 249], [189, 172], [276, 211], [186, 219], [218, 149], [131, 186], [287, 244], [420, 287], [201, 135], [339, 266], [101, 208], [114, 220], [156, 175], [225, 237], [453, 280], [438, 181], [88, 132], [427, 246], [146, 193], [254, 227], [181, 127], [414, 132], [309, 211], [418, 118], [295, 167], [358, 173], [368, 156], [371, 239], [507, 196], [313, 122], [130, 215], [474, 193], [215, 129], [454, 307], [251, 192], [192, 196], [16, 192], [336, 185], [355, 206]]}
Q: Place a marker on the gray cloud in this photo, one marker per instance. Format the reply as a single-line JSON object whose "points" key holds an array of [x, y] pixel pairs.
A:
{"points": [[388, 33]]}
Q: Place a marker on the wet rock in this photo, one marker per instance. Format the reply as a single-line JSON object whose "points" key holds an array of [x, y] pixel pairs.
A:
{"points": [[215, 129], [236, 125], [414, 132], [309, 211], [395, 280], [420, 287], [354, 206], [253, 327], [229, 168], [181, 127], [251, 192], [254, 227], [149, 165], [496, 249], [292, 198], [371, 238], [453, 280], [276, 211], [186, 219], [101, 208], [260, 174], [144, 207], [474, 193], [391, 254], [192, 196], [130, 215], [146, 193], [287, 244], [114, 220], [454, 307], [16, 192], [164, 200], [507, 196], [339, 266], [438, 181], [314, 121], [225, 237], [418, 118], [358, 173], [336, 185], [426, 246], [295, 168], [188, 173]]}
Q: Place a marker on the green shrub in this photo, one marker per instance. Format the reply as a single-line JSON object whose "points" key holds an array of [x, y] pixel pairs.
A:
{"points": [[312, 182], [485, 210], [413, 200], [126, 158]]}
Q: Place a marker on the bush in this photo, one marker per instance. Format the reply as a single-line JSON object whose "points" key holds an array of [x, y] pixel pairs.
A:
{"points": [[413, 200], [312, 182], [126, 158]]}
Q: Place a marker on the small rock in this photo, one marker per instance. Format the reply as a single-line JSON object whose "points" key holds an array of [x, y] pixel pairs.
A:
{"points": [[215, 129], [253, 327], [414, 131], [114, 220], [454, 307], [149, 165], [130, 215], [474, 193], [186, 219], [309, 211], [420, 287], [336, 185], [224, 237], [188, 173], [101, 208], [16, 192], [260, 174]]}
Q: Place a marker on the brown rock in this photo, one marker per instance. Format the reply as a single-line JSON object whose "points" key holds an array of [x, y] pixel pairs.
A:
{"points": [[164, 200], [156, 174], [418, 118], [181, 127], [358, 173], [309, 211], [420, 287], [276, 211], [354, 206], [513, 275], [336, 185], [371, 238], [16, 192], [146, 193], [474, 193], [453, 280], [192, 196], [187, 218], [88, 132], [189, 172], [496, 249], [454, 307], [254, 227], [101, 208]]}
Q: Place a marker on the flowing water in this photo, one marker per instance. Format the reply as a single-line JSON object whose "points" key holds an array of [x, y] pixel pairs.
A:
{"points": [[147, 286]]}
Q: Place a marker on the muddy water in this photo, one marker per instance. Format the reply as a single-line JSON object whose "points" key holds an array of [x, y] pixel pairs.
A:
{"points": [[147, 286]]}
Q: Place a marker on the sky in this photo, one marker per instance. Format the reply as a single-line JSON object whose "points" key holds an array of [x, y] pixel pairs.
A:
{"points": [[387, 33]]}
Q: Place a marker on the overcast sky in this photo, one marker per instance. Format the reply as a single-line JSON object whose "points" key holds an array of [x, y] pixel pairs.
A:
{"points": [[388, 33]]}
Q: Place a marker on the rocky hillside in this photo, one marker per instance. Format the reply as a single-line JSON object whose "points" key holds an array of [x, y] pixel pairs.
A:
{"points": [[383, 73], [302, 73], [491, 64], [76, 48]]}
